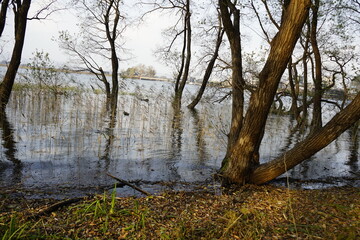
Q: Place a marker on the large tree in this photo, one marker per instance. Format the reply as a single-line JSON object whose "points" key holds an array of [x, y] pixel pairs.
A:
{"points": [[243, 155], [242, 165], [231, 21]]}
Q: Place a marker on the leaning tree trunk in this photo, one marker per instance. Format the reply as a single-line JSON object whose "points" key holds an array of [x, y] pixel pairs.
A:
{"points": [[311, 145], [243, 158], [208, 70], [20, 29]]}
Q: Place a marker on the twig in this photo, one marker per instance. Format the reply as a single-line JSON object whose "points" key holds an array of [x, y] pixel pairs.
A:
{"points": [[129, 184]]}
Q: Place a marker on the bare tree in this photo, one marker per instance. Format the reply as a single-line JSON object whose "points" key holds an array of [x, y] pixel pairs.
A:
{"points": [[20, 11], [210, 65], [243, 156], [98, 40], [181, 30]]}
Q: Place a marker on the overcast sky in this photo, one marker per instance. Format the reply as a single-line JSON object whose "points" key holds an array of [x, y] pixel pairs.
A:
{"points": [[141, 41]]}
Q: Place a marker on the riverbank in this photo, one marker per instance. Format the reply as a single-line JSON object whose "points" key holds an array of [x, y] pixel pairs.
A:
{"points": [[251, 212]]}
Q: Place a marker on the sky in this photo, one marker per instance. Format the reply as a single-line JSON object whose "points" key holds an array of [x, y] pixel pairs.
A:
{"points": [[141, 41]]}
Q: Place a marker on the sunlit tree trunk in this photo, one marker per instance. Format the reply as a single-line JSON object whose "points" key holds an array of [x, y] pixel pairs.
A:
{"points": [[21, 10], [311, 145], [230, 16], [243, 158]]}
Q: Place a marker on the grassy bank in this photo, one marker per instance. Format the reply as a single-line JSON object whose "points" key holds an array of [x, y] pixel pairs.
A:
{"points": [[251, 212]]}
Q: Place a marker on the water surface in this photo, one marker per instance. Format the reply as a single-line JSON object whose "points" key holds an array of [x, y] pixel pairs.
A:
{"points": [[64, 145]]}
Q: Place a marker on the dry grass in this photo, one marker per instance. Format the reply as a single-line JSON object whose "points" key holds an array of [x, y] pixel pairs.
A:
{"points": [[251, 212]]}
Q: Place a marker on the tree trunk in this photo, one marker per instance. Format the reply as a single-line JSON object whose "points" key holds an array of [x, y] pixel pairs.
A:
{"points": [[317, 115], [208, 70], [111, 37], [232, 29], [3, 11], [294, 97], [311, 145], [20, 29], [243, 158], [185, 76]]}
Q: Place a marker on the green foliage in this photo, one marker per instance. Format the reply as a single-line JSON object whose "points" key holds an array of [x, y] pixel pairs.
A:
{"points": [[13, 230]]}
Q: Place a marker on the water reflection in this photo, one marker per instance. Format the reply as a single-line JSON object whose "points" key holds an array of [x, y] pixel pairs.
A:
{"points": [[9, 144], [71, 142], [199, 132], [354, 141]]}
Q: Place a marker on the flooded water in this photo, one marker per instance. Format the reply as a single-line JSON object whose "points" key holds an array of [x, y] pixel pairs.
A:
{"points": [[61, 146]]}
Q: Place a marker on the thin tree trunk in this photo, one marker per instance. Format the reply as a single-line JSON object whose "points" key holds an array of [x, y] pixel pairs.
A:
{"points": [[244, 155], [208, 70], [185, 76], [311, 145], [111, 36], [317, 115], [294, 97], [20, 29]]}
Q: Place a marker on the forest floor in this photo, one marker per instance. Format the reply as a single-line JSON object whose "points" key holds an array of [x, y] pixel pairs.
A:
{"points": [[250, 212]]}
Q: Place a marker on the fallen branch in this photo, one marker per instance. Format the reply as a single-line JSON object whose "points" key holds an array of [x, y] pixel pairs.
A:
{"points": [[129, 184], [54, 207]]}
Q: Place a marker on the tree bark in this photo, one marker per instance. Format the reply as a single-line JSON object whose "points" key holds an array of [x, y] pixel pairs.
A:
{"points": [[317, 115], [20, 28], [311, 145], [228, 10], [3, 11], [243, 158], [185, 76]]}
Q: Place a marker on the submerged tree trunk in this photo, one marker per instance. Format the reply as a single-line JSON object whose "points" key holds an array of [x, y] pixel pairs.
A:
{"points": [[311, 145], [243, 158], [20, 28]]}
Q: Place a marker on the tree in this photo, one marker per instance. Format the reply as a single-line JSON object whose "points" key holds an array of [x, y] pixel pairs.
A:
{"points": [[210, 65], [243, 156], [101, 30], [139, 70], [21, 9], [228, 11], [242, 165], [20, 12], [182, 9], [317, 115], [42, 72]]}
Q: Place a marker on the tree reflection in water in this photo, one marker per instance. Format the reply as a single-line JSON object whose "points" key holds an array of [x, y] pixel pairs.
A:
{"points": [[9, 144]]}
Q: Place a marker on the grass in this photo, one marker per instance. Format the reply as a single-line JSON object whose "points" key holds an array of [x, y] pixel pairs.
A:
{"points": [[251, 212]]}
